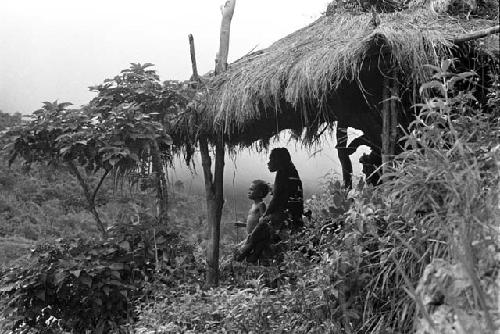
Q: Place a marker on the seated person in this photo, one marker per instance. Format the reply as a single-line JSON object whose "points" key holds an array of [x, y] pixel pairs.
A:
{"points": [[284, 211], [257, 192], [287, 204]]}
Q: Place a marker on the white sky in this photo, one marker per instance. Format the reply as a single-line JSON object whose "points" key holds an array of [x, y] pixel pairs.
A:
{"points": [[55, 49]]}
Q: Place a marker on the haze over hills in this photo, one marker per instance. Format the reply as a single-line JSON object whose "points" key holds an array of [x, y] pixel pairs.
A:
{"points": [[313, 164]]}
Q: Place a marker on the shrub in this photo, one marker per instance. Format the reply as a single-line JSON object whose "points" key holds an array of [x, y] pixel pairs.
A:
{"points": [[78, 285], [447, 181]]}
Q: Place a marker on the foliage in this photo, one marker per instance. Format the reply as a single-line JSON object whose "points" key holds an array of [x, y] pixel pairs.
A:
{"points": [[42, 204], [12, 248], [78, 285], [8, 120], [111, 131], [355, 268], [133, 109], [448, 179], [121, 131], [114, 130]]}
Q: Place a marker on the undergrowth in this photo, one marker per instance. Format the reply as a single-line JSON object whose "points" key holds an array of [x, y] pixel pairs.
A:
{"points": [[354, 269]]}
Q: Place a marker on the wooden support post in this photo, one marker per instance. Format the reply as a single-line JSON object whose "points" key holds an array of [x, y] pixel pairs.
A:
{"points": [[389, 121], [386, 121], [213, 255], [218, 181], [414, 95], [394, 119], [214, 189]]}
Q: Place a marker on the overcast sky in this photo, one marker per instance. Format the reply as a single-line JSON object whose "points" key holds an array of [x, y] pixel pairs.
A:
{"points": [[55, 49]]}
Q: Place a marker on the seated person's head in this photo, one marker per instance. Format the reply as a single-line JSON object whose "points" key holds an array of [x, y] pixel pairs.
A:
{"points": [[278, 158], [258, 189]]}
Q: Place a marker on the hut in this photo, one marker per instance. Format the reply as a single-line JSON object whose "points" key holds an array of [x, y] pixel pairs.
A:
{"points": [[351, 67]]}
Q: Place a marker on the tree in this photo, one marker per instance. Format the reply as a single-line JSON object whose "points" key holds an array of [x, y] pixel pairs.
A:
{"points": [[120, 131], [136, 110], [57, 135], [214, 182]]}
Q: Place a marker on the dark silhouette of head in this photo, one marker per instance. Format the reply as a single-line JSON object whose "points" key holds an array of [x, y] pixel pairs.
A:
{"points": [[279, 158], [371, 162]]}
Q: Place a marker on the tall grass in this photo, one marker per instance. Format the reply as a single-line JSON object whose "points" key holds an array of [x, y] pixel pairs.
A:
{"points": [[448, 179]]}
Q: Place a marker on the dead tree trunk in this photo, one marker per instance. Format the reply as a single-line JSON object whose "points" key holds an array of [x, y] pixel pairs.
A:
{"points": [[214, 189], [225, 28], [215, 202]]}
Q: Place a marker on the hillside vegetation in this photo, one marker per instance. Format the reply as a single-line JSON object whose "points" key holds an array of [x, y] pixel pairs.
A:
{"points": [[418, 253]]}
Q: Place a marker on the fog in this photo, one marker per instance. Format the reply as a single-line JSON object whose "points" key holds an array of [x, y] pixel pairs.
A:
{"points": [[54, 49], [315, 165]]}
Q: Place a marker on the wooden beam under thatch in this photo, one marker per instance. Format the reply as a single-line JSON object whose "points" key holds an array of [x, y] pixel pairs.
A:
{"points": [[476, 35]]}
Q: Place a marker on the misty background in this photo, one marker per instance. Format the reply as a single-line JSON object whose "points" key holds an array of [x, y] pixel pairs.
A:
{"points": [[55, 49]]}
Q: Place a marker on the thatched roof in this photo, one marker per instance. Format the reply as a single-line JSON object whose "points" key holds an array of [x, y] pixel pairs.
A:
{"points": [[290, 84]]}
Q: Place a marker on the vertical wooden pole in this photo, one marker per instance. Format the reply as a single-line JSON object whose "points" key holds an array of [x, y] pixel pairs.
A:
{"points": [[394, 119], [213, 255], [214, 187], [195, 75], [343, 154], [389, 121], [386, 123], [218, 182], [212, 214], [212, 194], [414, 93], [225, 29]]}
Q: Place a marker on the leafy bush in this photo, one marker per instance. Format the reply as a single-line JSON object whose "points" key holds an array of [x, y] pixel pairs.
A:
{"points": [[448, 179], [254, 308], [78, 285]]}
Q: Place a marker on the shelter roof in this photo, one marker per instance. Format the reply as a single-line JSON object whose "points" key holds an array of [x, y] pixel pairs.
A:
{"points": [[297, 73]]}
